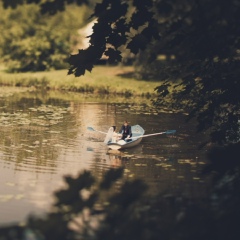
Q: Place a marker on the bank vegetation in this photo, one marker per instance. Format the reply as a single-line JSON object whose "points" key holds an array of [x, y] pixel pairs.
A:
{"points": [[103, 80]]}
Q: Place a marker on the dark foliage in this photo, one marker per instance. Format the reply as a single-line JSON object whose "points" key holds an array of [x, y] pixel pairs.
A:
{"points": [[203, 38], [224, 160], [48, 6], [33, 42], [130, 213], [200, 40]]}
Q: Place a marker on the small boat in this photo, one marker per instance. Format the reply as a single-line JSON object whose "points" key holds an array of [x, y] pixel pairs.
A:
{"points": [[137, 134]]}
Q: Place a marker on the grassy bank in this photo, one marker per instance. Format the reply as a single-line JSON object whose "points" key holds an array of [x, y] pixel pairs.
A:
{"points": [[103, 79]]}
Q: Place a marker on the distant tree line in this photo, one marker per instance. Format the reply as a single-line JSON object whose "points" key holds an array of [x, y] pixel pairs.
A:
{"points": [[199, 38], [31, 41]]}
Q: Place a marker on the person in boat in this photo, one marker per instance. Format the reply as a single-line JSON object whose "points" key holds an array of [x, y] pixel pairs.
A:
{"points": [[115, 135], [126, 131], [112, 135]]}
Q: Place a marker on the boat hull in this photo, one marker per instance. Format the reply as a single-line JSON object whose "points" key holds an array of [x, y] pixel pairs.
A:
{"points": [[117, 146], [137, 133]]}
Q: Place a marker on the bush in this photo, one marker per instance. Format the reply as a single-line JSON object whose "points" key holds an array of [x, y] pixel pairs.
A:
{"points": [[35, 42]]}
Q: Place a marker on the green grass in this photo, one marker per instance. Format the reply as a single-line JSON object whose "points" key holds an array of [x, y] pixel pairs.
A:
{"points": [[103, 79]]}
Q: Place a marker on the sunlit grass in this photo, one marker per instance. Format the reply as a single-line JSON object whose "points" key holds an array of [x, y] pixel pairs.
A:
{"points": [[103, 79]]}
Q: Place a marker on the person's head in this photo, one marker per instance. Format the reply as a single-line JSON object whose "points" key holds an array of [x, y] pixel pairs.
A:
{"points": [[125, 123]]}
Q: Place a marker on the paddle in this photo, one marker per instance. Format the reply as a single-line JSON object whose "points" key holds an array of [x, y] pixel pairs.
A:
{"points": [[94, 130], [153, 134]]}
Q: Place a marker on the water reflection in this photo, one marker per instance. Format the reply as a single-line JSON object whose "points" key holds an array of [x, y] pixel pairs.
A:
{"points": [[44, 136]]}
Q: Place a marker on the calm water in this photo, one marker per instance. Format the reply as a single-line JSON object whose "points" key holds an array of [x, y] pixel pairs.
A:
{"points": [[44, 136]]}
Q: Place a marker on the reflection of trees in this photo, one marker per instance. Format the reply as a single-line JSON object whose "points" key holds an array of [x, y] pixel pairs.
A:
{"points": [[101, 117], [115, 160]]}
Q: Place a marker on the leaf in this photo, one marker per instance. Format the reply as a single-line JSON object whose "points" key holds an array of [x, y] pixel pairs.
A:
{"points": [[99, 9], [116, 40], [52, 7], [71, 195], [121, 26], [101, 30], [118, 10], [12, 3], [84, 60], [110, 177], [114, 55], [130, 192], [143, 4], [33, 1], [138, 42], [164, 8], [151, 32], [110, 11], [84, 180], [139, 18]]}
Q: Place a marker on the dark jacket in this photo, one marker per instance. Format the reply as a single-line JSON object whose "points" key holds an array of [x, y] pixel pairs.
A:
{"points": [[125, 131]]}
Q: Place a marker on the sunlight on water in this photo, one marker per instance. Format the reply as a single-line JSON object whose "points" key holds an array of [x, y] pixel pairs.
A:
{"points": [[43, 139]]}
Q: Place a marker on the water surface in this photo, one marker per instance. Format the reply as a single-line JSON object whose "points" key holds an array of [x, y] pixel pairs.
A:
{"points": [[44, 136]]}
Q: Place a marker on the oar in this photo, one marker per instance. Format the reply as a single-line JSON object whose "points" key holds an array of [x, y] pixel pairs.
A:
{"points": [[94, 130], [153, 134]]}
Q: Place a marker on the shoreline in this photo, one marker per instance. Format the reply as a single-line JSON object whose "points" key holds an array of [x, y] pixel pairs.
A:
{"points": [[116, 80]]}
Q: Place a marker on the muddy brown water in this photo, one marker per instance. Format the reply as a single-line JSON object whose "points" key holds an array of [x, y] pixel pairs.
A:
{"points": [[44, 136]]}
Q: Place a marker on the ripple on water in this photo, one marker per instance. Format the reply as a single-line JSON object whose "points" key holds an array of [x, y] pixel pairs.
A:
{"points": [[44, 142]]}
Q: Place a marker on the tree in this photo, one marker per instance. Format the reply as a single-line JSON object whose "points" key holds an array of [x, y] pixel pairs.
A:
{"points": [[31, 41], [202, 38]]}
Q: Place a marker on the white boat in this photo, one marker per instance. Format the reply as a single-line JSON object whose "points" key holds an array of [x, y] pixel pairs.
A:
{"points": [[137, 134]]}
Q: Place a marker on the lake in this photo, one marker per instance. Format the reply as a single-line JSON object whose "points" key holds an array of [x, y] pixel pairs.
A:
{"points": [[44, 136]]}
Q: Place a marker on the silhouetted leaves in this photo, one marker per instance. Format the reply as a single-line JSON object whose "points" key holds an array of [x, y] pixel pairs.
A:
{"points": [[223, 160], [110, 177], [151, 32], [138, 42], [71, 203], [164, 8], [202, 37], [114, 56], [130, 213], [144, 4], [130, 192], [116, 40], [33, 1], [12, 3], [139, 18], [84, 60], [100, 31], [71, 196], [121, 27], [52, 7], [198, 39], [163, 89], [110, 11], [100, 9], [49, 6], [54, 226]]}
